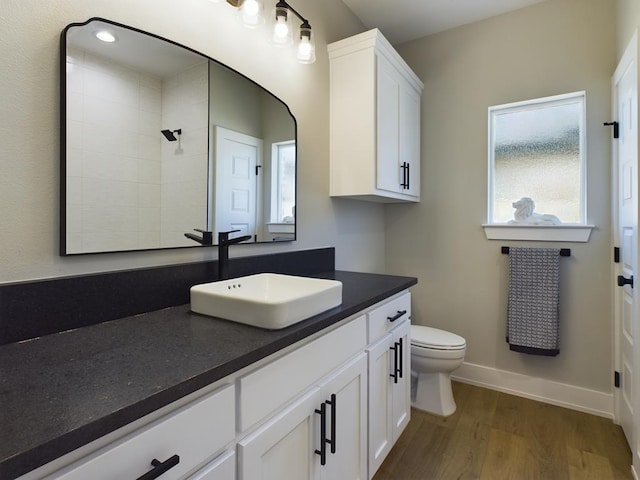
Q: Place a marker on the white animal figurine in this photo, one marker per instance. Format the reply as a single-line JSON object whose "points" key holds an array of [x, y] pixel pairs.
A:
{"points": [[524, 214]]}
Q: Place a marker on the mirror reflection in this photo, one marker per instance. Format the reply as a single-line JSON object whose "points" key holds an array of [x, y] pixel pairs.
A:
{"points": [[163, 147]]}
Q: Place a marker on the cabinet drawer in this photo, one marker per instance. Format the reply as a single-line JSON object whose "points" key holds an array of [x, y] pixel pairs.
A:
{"points": [[194, 432], [222, 468], [388, 315], [270, 387]]}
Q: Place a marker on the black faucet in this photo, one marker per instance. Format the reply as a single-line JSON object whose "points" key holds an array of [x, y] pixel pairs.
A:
{"points": [[223, 251], [206, 239]]}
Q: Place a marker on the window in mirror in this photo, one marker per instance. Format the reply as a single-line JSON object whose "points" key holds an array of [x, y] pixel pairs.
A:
{"points": [[283, 180]]}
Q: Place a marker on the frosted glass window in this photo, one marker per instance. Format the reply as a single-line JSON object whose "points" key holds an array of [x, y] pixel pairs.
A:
{"points": [[536, 150], [284, 182]]}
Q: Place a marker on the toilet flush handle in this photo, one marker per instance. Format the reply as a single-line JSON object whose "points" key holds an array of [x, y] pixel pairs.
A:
{"points": [[397, 315]]}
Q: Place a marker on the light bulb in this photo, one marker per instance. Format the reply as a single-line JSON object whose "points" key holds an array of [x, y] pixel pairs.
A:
{"points": [[250, 12], [251, 8], [306, 46], [304, 50], [281, 30]]}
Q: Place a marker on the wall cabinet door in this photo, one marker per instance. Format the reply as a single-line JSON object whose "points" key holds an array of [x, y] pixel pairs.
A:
{"points": [[398, 159], [409, 143], [388, 175]]}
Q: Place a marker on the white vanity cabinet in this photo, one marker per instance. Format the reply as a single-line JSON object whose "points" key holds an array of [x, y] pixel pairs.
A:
{"points": [[330, 407], [321, 434], [374, 121], [389, 354]]}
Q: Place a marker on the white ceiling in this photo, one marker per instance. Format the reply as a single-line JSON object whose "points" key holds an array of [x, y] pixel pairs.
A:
{"points": [[404, 20]]}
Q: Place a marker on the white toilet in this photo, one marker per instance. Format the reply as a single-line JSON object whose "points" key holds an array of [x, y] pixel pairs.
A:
{"points": [[434, 355]]}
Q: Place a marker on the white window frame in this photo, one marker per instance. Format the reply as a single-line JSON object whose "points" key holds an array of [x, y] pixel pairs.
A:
{"points": [[569, 232], [276, 224]]}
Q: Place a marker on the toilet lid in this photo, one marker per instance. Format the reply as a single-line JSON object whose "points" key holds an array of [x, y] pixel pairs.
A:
{"points": [[434, 338]]}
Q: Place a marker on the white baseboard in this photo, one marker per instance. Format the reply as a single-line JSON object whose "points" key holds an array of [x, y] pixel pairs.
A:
{"points": [[555, 393]]}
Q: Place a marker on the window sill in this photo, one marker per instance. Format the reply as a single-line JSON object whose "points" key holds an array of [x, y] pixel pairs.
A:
{"points": [[542, 233], [275, 227]]}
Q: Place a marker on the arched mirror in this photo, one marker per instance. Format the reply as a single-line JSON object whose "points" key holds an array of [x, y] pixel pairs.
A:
{"points": [[159, 141]]}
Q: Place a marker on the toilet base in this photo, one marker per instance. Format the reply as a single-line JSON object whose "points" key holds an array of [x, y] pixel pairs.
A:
{"points": [[433, 393]]}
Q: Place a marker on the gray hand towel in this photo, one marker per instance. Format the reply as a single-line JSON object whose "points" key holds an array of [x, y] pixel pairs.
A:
{"points": [[534, 301]]}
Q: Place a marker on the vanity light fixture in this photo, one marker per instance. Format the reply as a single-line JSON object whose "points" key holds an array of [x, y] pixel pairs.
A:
{"points": [[250, 12], [105, 36]]}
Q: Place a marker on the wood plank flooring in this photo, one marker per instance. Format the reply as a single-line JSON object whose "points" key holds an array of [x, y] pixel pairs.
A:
{"points": [[494, 436]]}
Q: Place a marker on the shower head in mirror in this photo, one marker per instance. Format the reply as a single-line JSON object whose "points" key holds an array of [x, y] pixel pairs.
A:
{"points": [[169, 135]]}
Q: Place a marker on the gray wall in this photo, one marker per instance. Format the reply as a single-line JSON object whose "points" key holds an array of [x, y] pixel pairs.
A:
{"points": [[29, 128], [554, 47]]}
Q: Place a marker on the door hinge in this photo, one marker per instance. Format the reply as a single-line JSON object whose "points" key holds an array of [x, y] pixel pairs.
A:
{"points": [[616, 254], [616, 128], [616, 379]]}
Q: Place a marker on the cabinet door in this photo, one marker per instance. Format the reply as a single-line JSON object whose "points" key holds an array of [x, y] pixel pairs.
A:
{"points": [[346, 422], [388, 175], [401, 397], [409, 119], [284, 447], [380, 358]]}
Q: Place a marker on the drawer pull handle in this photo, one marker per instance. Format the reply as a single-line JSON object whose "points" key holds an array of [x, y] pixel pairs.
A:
{"points": [[323, 434], [397, 315], [332, 442], [160, 467]]}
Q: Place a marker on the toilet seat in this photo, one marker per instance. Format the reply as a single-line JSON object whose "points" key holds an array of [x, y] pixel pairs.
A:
{"points": [[436, 339]]}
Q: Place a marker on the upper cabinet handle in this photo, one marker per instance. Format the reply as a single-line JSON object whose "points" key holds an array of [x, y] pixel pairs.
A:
{"points": [[408, 176], [405, 175]]}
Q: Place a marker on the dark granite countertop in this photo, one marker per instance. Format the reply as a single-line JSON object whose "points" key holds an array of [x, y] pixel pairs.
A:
{"points": [[62, 391]]}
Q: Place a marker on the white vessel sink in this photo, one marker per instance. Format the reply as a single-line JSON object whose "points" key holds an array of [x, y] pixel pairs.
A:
{"points": [[266, 300]]}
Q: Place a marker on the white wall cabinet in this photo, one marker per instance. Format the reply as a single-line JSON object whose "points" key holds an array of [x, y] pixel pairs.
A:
{"points": [[374, 121], [328, 409], [389, 377]]}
